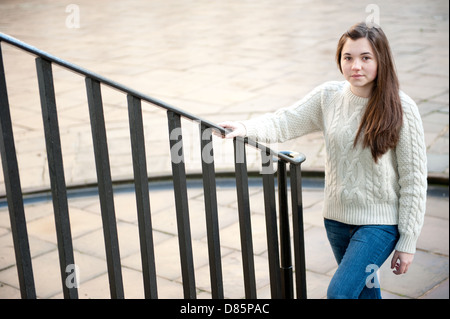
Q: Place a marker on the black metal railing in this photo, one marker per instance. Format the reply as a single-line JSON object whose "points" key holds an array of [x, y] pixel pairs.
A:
{"points": [[279, 245]]}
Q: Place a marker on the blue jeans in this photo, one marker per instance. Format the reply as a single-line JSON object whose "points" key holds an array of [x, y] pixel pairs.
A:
{"points": [[359, 252]]}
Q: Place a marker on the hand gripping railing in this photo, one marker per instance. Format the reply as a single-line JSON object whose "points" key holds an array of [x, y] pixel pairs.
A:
{"points": [[280, 272]]}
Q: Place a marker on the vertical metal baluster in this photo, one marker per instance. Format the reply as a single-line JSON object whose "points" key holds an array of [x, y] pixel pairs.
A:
{"points": [[14, 193], [285, 243], [245, 226], [299, 239], [105, 187], [212, 220], [142, 196], [57, 180], [271, 225], [181, 203]]}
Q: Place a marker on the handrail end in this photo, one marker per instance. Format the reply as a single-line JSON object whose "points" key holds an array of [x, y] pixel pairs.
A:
{"points": [[295, 157]]}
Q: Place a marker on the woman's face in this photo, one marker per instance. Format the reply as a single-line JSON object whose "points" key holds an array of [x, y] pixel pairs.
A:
{"points": [[359, 66]]}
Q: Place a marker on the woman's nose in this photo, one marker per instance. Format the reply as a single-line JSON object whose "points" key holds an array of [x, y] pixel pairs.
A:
{"points": [[356, 65]]}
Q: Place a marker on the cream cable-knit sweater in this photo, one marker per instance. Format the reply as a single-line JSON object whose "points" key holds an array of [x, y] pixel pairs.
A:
{"points": [[357, 190]]}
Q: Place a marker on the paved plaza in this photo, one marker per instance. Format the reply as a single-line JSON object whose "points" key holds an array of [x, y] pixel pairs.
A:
{"points": [[220, 60], [426, 278]]}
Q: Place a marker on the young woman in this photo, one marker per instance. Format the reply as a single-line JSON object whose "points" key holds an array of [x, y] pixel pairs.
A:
{"points": [[376, 173]]}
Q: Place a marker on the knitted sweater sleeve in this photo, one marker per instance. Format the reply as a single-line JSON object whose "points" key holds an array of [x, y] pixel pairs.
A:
{"points": [[412, 177], [287, 123]]}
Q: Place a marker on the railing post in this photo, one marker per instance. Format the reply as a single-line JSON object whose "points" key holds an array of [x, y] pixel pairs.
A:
{"points": [[14, 193], [56, 170], [181, 204], [212, 219], [245, 225], [285, 238], [297, 220], [142, 197], [105, 187], [271, 225]]}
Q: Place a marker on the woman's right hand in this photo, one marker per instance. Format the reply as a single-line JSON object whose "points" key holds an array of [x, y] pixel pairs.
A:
{"points": [[237, 129]]}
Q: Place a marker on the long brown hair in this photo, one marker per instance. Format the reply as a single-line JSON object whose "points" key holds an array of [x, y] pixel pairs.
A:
{"points": [[381, 122]]}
